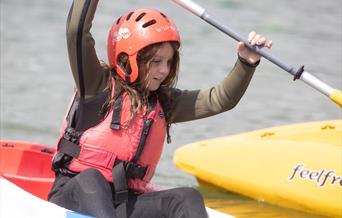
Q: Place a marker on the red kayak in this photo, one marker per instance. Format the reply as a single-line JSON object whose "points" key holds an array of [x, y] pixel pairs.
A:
{"points": [[27, 165]]}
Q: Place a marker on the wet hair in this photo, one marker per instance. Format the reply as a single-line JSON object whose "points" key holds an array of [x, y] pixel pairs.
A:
{"points": [[138, 91]]}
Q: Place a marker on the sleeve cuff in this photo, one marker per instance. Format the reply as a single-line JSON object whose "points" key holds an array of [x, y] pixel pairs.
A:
{"points": [[244, 61]]}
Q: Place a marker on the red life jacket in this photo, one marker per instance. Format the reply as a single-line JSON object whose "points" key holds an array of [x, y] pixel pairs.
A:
{"points": [[138, 145]]}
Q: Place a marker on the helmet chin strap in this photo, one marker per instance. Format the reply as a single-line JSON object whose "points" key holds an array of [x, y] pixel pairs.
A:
{"points": [[134, 67], [122, 73], [133, 75]]}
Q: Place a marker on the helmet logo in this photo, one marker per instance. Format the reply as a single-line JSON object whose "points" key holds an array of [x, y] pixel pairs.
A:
{"points": [[123, 33], [163, 28]]}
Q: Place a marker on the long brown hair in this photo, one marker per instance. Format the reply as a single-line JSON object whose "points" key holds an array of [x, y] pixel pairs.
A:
{"points": [[138, 91]]}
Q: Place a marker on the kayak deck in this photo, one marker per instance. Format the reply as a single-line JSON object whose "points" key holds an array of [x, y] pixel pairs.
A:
{"points": [[296, 166], [28, 166]]}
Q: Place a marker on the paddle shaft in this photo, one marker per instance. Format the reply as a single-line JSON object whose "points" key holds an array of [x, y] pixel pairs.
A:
{"points": [[298, 73], [260, 50]]}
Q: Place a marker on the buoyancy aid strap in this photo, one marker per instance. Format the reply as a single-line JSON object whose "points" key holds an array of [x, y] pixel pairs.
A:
{"points": [[118, 101], [120, 173], [115, 124], [148, 121], [120, 183], [146, 128]]}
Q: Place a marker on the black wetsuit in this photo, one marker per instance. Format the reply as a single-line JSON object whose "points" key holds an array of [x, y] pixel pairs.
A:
{"points": [[88, 192]]}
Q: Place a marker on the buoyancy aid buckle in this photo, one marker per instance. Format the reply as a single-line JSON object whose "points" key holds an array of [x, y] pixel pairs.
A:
{"points": [[135, 171], [69, 142], [68, 148], [72, 135], [121, 172]]}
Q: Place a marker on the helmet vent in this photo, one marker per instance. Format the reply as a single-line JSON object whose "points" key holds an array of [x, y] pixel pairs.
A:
{"points": [[149, 23], [140, 16], [118, 20], [164, 16], [129, 15]]}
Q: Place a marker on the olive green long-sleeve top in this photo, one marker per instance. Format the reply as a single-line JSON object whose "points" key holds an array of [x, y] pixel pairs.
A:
{"points": [[91, 78]]}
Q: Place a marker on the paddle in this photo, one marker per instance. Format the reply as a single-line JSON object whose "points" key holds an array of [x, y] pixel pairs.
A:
{"points": [[298, 73]]}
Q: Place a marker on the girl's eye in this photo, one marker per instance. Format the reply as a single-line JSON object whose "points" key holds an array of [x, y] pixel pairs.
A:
{"points": [[156, 61]]}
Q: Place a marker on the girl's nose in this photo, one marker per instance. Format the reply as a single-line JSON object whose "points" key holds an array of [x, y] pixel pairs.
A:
{"points": [[164, 68]]}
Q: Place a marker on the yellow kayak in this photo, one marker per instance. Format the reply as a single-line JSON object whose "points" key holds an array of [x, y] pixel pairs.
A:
{"points": [[297, 166]]}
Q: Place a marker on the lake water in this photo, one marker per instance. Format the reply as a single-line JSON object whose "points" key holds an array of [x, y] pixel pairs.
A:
{"points": [[36, 83]]}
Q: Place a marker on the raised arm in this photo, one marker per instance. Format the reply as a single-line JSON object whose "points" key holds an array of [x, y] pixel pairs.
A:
{"points": [[89, 76], [192, 105]]}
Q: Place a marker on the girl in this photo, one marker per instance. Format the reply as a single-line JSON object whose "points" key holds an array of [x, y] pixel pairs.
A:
{"points": [[114, 130]]}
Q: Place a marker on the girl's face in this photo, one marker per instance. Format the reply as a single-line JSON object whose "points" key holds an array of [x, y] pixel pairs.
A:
{"points": [[159, 67]]}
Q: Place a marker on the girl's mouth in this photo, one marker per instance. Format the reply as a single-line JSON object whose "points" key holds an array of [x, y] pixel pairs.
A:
{"points": [[158, 79]]}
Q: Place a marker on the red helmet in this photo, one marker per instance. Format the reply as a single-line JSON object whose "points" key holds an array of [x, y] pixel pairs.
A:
{"points": [[135, 31]]}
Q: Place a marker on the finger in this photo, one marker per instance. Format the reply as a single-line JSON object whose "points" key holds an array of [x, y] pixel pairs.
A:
{"points": [[269, 44], [240, 46], [251, 36], [255, 39], [261, 41]]}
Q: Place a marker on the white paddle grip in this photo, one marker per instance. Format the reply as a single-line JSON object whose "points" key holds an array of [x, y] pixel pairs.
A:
{"points": [[191, 6]]}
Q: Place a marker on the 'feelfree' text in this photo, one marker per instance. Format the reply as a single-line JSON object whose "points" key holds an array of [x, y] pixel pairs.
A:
{"points": [[321, 177]]}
